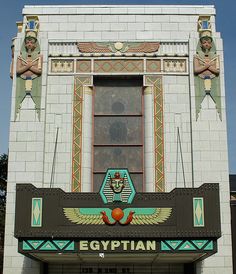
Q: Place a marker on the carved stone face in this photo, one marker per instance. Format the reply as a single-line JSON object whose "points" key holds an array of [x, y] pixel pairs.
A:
{"points": [[206, 44], [30, 44], [117, 185]]}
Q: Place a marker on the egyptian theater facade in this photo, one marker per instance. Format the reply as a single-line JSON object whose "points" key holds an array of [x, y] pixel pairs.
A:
{"points": [[118, 146]]}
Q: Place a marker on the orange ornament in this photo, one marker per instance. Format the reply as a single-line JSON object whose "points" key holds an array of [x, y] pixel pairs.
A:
{"points": [[117, 214]]}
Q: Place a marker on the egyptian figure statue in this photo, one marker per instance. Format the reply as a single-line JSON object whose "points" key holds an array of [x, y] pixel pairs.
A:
{"points": [[206, 71], [28, 71]]}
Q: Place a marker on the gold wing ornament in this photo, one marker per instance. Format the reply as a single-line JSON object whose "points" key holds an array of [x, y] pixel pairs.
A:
{"points": [[92, 47], [150, 216], [133, 216], [85, 216]]}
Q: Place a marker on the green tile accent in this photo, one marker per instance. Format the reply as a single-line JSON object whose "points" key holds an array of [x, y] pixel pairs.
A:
{"points": [[186, 246], [35, 244], [174, 244], [36, 213], [48, 246], [209, 246], [70, 247], [60, 244], [198, 212], [25, 246], [164, 246], [199, 243]]}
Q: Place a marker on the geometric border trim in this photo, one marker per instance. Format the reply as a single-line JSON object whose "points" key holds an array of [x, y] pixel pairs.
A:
{"points": [[187, 245], [156, 83], [48, 245], [165, 246]]}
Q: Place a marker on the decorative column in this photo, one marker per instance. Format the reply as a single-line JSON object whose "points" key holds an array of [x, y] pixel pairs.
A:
{"points": [[149, 162], [82, 136], [86, 165], [153, 135]]}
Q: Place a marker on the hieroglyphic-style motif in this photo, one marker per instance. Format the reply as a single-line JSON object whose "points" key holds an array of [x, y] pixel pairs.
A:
{"points": [[83, 66], [121, 65], [118, 47], [156, 83], [80, 82], [153, 65], [62, 66], [175, 65]]}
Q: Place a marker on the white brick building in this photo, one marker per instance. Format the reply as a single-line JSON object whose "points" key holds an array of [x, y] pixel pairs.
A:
{"points": [[58, 138]]}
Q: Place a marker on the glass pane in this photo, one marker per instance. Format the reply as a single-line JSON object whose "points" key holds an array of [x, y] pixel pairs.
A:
{"points": [[118, 130], [137, 180], [118, 157], [118, 97]]}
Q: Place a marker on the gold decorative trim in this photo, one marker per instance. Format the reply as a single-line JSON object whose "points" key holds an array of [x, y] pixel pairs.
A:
{"points": [[80, 83], [156, 83]]}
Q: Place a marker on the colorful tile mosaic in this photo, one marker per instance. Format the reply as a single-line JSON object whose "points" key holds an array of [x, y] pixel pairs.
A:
{"points": [[83, 66], [118, 65], [153, 65]]}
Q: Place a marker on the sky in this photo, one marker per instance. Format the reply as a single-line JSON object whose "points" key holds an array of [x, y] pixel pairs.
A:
{"points": [[10, 13]]}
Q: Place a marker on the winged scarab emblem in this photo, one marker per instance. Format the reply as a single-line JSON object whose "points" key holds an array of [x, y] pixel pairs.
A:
{"points": [[133, 216]]}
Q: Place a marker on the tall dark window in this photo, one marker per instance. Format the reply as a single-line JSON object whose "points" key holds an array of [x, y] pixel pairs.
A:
{"points": [[118, 128]]}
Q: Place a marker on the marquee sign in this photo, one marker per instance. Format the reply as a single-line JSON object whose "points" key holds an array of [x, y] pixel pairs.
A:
{"points": [[117, 212]]}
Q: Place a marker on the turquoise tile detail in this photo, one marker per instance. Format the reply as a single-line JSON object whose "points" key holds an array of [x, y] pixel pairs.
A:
{"points": [[35, 243], [60, 244], [26, 247], [164, 246], [199, 243], [48, 246], [198, 212], [187, 246], [209, 246], [70, 247], [174, 244], [36, 213]]}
